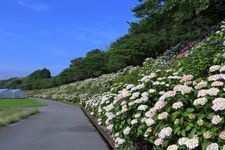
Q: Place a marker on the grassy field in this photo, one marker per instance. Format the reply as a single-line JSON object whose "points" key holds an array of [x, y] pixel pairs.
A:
{"points": [[13, 110], [18, 103], [10, 116]]}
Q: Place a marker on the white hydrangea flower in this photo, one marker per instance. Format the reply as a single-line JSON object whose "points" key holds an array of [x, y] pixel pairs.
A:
{"points": [[222, 76], [156, 83], [123, 103], [218, 104], [133, 89], [217, 84], [152, 91], [201, 85], [119, 141], [202, 93], [145, 79], [131, 103], [178, 88], [118, 113], [134, 121], [222, 135], [160, 79], [142, 107], [149, 122], [126, 93], [140, 86], [165, 132], [110, 115], [172, 147], [200, 101], [159, 104], [163, 115], [218, 32], [177, 105], [214, 68], [169, 94], [110, 127], [174, 77], [188, 83], [135, 95], [124, 109], [186, 90], [138, 101], [192, 143], [130, 86], [144, 99], [126, 131], [145, 94], [162, 83], [150, 113], [158, 141], [137, 116], [167, 85], [216, 119], [214, 77], [182, 141], [186, 78], [212, 146], [213, 91], [161, 92]]}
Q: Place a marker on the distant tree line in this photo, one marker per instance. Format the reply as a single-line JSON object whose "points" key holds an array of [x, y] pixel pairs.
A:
{"points": [[160, 25]]}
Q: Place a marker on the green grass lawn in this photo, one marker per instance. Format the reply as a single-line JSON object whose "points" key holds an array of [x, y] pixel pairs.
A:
{"points": [[13, 110], [13, 115], [18, 103]]}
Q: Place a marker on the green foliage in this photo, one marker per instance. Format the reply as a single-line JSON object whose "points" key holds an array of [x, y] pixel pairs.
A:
{"points": [[39, 74], [93, 65], [202, 56]]}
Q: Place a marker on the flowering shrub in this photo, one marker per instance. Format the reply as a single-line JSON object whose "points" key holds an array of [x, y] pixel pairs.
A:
{"points": [[203, 55], [168, 107]]}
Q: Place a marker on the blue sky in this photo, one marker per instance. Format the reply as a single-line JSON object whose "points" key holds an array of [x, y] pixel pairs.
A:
{"points": [[49, 33]]}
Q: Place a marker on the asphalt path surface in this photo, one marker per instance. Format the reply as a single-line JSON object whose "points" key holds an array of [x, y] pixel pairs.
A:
{"points": [[57, 127]]}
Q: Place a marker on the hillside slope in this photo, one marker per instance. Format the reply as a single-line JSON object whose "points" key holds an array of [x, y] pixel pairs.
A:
{"points": [[174, 102]]}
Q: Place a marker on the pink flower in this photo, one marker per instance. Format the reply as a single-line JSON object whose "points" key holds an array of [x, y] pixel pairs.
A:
{"points": [[158, 142]]}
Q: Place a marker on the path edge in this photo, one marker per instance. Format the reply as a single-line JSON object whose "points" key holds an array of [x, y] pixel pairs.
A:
{"points": [[105, 136]]}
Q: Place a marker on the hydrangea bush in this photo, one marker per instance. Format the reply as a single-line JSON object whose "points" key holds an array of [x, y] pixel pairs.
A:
{"points": [[181, 106]]}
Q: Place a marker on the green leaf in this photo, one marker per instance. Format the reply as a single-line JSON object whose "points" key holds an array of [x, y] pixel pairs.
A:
{"points": [[190, 110], [201, 116], [177, 130], [188, 128], [175, 114], [205, 144], [183, 133], [193, 132]]}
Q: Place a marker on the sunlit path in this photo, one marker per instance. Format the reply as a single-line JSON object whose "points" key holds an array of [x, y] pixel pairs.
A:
{"points": [[57, 127]]}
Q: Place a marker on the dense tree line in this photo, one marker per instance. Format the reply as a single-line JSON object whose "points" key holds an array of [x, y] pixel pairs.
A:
{"points": [[160, 25]]}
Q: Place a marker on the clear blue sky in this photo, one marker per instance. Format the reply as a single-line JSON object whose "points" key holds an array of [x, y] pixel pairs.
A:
{"points": [[49, 33]]}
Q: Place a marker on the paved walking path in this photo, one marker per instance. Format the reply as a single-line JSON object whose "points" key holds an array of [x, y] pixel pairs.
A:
{"points": [[57, 127]]}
